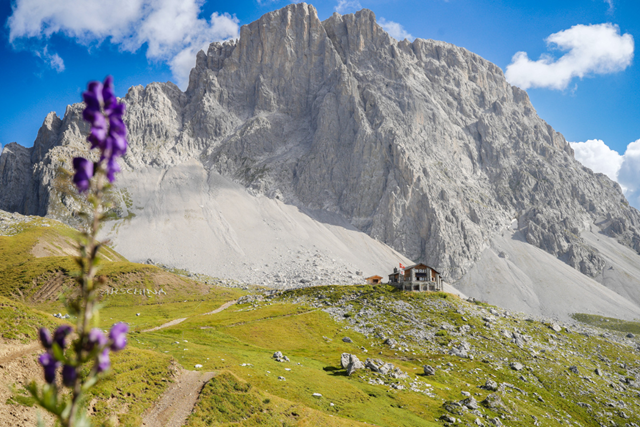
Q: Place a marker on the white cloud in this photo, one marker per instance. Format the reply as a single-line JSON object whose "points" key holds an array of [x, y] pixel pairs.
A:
{"points": [[347, 5], [624, 169], [170, 29], [590, 49], [598, 157], [395, 30], [610, 3], [629, 174], [53, 60]]}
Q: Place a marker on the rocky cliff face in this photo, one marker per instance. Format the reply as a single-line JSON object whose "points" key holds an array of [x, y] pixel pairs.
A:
{"points": [[423, 145]]}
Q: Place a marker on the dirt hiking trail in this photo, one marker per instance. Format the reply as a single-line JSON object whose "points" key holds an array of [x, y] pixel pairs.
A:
{"points": [[175, 405], [177, 321], [222, 307], [18, 366], [166, 325]]}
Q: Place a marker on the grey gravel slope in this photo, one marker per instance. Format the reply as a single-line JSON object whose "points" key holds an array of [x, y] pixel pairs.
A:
{"points": [[518, 276], [186, 217]]}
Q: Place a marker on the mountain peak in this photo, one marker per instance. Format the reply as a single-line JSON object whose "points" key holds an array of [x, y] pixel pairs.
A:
{"points": [[423, 146]]}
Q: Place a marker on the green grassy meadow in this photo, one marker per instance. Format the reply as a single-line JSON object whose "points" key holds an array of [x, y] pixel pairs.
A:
{"points": [[308, 326]]}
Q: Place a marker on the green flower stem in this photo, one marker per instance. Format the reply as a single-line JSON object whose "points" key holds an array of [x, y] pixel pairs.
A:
{"points": [[88, 251]]}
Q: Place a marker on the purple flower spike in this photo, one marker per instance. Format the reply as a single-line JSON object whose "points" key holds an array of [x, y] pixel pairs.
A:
{"points": [[45, 338], [117, 109], [96, 337], [50, 365], [108, 94], [112, 168], [103, 360], [118, 336], [69, 375], [84, 172], [98, 132], [61, 334], [93, 96], [108, 131]]}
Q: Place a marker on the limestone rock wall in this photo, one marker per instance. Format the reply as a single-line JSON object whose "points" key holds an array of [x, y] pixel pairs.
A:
{"points": [[422, 145]]}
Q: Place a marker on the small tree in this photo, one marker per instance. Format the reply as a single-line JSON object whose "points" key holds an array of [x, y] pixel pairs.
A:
{"points": [[91, 347]]}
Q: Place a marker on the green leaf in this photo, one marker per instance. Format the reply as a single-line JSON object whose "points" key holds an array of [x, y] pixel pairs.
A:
{"points": [[41, 422], [50, 399], [58, 353], [90, 382], [66, 410]]}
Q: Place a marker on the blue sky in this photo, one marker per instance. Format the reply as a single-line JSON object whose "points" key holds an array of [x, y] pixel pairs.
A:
{"points": [[590, 79]]}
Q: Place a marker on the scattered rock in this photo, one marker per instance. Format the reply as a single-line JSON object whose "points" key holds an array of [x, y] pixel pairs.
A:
{"points": [[494, 402], [490, 385], [398, 373], [429, 370], [354, 364], [347, 340], [461, 350], [470, 403], [344, 360], [448, 418], [516, 366], [555, 327], [390, 342], [455, 408], [280, 357], [248, 299]]}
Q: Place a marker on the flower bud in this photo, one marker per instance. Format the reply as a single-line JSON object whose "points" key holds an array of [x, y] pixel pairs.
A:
{"points": [[61, 334], [96, 337], [50, 365], [103, 360], [69, 375], [118, 336], [84, 172], [45, 338]]}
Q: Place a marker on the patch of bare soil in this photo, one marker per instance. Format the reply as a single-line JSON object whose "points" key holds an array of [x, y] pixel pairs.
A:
{"points": [[175, 405], [18, 367], [49, 286], [54, 246]]}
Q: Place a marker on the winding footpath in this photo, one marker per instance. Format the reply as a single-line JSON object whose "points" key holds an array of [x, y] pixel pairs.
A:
{"points": [[177, 321], [176, 404]]}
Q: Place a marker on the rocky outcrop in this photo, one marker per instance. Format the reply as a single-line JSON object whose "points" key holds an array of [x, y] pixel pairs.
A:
{"points": [[15, 175], [421, 145]]}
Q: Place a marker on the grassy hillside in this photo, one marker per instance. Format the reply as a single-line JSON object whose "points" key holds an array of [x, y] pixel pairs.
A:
{"points": [[557, 383], [490, 367], [36, 268], [20, 323]]}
